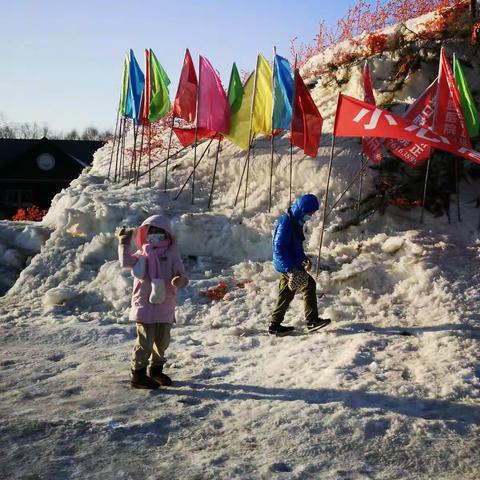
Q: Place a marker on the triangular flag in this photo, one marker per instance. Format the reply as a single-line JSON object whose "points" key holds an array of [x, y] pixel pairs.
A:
{"points": [[448, 120], [262, 103], [240, 122], [213, 107], [420, 113], [282, 93], [136, 82], [123, 97], [185, 104], [307, 122], [186, 136], [159, 96], [469, 109], [235, 90], [371, 146]]}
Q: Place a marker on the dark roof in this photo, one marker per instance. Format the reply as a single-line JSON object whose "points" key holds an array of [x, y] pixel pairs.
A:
{"points": [[79, 150]]}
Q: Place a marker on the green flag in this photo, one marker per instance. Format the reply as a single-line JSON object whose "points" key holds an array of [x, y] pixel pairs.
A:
{"points": [[123, 97], [468, 105], [159, 98], [235, 90]]}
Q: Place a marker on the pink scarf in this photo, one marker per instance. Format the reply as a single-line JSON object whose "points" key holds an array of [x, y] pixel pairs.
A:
{"points": [[152, 253]]}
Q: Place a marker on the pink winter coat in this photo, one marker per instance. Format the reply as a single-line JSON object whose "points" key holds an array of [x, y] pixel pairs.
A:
{"points": [[142, 311]]}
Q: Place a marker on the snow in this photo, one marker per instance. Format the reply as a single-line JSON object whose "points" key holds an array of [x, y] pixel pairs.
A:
{"points": [[390, 390]]}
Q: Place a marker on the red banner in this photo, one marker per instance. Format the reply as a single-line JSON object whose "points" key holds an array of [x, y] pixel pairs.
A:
{"points": [[186, 136], [145, 111], [420, 113], [355, 118], [371, 146], [307, 122], [185, 104], [449, 120]]}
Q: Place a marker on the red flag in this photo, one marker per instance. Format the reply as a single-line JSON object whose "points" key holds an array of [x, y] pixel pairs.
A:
{"points": [[421, 113], [371, 146], [449, 120], [186, 136], [306, 128], [185, 104], [145, 108], [355, 118]]}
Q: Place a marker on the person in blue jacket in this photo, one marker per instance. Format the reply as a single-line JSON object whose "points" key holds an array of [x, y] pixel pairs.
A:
{"points": [[289, 259]]}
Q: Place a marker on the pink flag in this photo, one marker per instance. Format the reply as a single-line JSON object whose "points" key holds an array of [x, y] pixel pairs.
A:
{"points": [[213, 107], [371, 146]]}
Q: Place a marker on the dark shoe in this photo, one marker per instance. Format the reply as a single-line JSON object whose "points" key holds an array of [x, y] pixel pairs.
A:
{"points": [[140, 379], [157, 374], [279, 330], [314, 325]]}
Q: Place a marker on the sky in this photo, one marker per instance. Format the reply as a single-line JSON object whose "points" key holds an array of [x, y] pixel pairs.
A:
{"points": [[62, 61]]}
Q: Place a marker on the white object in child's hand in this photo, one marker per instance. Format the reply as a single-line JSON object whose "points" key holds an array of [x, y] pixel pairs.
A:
{"points": [[140, 268], [157, 294], [179, 282]]}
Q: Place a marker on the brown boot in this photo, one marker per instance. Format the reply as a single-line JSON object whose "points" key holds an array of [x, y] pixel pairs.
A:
{"points": [[156, 372], [140, 379]]}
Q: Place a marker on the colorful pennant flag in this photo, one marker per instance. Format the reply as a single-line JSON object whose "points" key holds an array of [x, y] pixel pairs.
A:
{"points": [[306, 128], [241, 120], [186, 136], [123, 98], [469, 109], [371, 146], [185, 104], [159, 96], [235, 90], [145, 109], [355, 118], [213, 107], [262, 102], [448, 120], [282, 93], [420, 113], [136, 82]]}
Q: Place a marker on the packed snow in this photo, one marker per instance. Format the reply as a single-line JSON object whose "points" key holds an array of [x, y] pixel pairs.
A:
{"points": [[389, 390]]}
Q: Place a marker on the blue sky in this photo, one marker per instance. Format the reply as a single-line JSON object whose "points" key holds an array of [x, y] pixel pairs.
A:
{"points": [[62, 60]]}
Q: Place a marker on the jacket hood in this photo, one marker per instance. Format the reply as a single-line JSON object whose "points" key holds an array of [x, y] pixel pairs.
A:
{"points": [[305, 204], [157, 221]]}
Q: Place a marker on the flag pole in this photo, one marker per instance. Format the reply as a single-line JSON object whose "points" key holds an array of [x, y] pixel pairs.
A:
{"points": [[214, 174], [273, 136], [250, 139], [168, 152], [140, 157], [191, 173], [122, 156], [457, 181], [114, 136], [133, 160], [427, 173], [149, 155], [120, 135], [164, 160], [196, 133], [325, 198], [291, 144], [360, 184]]}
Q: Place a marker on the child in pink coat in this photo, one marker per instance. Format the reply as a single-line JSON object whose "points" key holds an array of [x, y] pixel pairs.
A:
{"points": [[158, 271]]}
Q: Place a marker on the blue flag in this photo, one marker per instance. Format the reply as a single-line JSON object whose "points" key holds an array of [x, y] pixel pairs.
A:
{"points": [[136, 82], [282, 94]]}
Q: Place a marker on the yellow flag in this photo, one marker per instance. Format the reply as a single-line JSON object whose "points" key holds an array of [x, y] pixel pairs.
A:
{"points": [[240, 121], [262, 108]]}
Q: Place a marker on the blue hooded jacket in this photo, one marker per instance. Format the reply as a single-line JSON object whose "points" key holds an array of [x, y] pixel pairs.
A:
{"points": [[287, 243]]}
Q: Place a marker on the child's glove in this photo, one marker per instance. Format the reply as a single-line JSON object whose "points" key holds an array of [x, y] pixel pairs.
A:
{"points": [[178, 281], [124, 236], [307, 264]]}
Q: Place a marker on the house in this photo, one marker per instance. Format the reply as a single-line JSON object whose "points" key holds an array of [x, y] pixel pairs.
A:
{"points": [[32, 172]]}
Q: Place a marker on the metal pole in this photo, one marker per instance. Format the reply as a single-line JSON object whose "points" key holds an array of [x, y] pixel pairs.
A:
{"points": [[325, 199], [164, 160], [241, 178], [133, 160], [149, 155], [457, 181], [273, 137], [114, 137], [122, 156], [214, 173], [140, 158], [196, 132], [291, 144], [199, 160], [291, 173], [360, 183], [120, 136], [427, 173], [168, 153]]}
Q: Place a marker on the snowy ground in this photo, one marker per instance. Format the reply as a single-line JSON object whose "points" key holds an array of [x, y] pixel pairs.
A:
{"points": [[390, 390]]}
